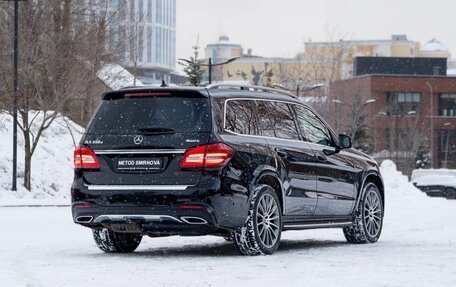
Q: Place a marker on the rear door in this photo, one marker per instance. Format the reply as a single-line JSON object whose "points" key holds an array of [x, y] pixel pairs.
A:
{"points": [[299, 173], [140, 137]]}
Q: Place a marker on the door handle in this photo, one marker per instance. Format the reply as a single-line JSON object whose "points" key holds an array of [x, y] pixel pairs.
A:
{"points": [[321, 157], [281, 152]]}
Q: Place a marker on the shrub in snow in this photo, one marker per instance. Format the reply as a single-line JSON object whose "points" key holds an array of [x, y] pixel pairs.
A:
{"points": [[52, 163]]}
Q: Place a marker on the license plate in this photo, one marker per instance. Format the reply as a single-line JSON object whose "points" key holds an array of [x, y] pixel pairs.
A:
{"points": [[139, 164]]}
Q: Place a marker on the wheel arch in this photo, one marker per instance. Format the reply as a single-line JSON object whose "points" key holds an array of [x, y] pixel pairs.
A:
{"points": [[271, 178], [375, 178]]}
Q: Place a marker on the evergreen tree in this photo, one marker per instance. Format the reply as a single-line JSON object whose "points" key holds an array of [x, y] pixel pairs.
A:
{"points": [[193, 67]]}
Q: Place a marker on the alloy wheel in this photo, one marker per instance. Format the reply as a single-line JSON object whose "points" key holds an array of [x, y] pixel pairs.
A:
{"points": [[268, 220], [372, 213]]}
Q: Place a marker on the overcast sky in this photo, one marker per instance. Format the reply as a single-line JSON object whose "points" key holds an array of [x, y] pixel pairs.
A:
{"points": [[279, 27]]}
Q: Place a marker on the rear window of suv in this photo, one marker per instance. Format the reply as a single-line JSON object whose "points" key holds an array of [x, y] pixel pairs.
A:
{"points": [[169, 114]]}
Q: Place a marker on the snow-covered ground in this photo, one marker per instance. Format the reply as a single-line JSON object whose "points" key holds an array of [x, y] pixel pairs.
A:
{"points": [[52, 163], [42, 247]]}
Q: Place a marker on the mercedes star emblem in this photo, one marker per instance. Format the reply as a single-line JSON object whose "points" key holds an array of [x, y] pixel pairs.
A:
{"points": [[138, 139]]}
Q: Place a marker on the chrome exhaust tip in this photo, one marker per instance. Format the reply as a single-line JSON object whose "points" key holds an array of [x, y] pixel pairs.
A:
{"points": [[193, 220], [84, 219]]}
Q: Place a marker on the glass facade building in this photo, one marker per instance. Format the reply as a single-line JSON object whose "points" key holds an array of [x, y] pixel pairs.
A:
{"points": [[147, 31]]}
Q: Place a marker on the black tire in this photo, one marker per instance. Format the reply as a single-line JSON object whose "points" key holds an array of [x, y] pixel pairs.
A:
{"points": [[368, 222], [229, 238], [262, 230], [450, 193], [113, 242]]}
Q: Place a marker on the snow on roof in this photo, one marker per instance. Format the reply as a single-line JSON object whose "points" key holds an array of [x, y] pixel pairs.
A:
{"points": [[313, 99], [240, 82], [417, 173], [116, 77], [434, 46], [451, 72], [429, 180]]}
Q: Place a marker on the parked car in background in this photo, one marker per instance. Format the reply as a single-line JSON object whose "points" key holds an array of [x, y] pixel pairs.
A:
{"points": [[436, 182]]}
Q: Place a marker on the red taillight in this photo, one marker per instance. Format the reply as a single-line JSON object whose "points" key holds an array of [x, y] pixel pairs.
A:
{"points": [[82, 205], [191, 207], [85, 158], [214, 155]]}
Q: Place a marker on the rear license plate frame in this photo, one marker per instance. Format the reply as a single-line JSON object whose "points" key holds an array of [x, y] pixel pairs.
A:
{"points": [[139, 164]]}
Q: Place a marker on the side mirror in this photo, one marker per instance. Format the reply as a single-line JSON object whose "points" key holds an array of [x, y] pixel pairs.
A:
{"points": [[345, 141]]}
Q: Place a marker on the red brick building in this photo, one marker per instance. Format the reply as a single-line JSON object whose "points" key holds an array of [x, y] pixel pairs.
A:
{"points": [[401, 115]]}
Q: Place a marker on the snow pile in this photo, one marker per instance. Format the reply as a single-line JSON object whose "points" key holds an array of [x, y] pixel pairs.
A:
{"points": [[52, 162], [393, 179], [116, 77], [398, 189], [407, 208]]}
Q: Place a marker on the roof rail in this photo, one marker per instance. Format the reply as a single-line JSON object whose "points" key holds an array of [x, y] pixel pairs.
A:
{"points": [[251, 88]]}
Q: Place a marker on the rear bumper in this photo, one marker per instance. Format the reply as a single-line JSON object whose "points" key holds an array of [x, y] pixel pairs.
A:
{"points": [[151, 221], [209, 208]]}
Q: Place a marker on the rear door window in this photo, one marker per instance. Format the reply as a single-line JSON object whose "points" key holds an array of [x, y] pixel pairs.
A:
{"points": [[264, 108], [152, 114], [276, 120], [240, 117]]}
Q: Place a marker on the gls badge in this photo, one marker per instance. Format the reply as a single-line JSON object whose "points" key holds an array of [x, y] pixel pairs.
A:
{"points": [[138, 139]]}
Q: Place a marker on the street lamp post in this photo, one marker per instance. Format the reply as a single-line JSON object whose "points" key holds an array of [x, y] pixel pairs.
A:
{"points": [[337, 117], [431, 115], [15, 88], [447, 143], [209, 71], [210, 65]]}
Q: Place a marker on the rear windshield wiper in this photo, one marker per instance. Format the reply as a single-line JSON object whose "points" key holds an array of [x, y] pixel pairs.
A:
{"points": [[156, 131]]}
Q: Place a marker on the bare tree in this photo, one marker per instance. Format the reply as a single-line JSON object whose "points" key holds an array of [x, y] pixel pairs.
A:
{"points": [[133, 47], [60, 53], [316, 63], [359, 122], [325, 60]]}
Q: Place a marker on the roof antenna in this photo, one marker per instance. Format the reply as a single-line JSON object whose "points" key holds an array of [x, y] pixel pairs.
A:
{"points": [[163, 84]]}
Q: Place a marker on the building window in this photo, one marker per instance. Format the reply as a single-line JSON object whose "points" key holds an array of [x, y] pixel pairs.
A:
{"points": [[113, 4], [132, 11], [158, 47], [403, 104], [122, 10], [447, 105], [173, 12], [141, 44], [159, 11], [446, 153], [149, 44], [149, 11], [141, 10]]}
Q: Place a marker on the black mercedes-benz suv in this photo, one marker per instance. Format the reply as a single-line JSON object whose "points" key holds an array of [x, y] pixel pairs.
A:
{"points": [[241, 162]]}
